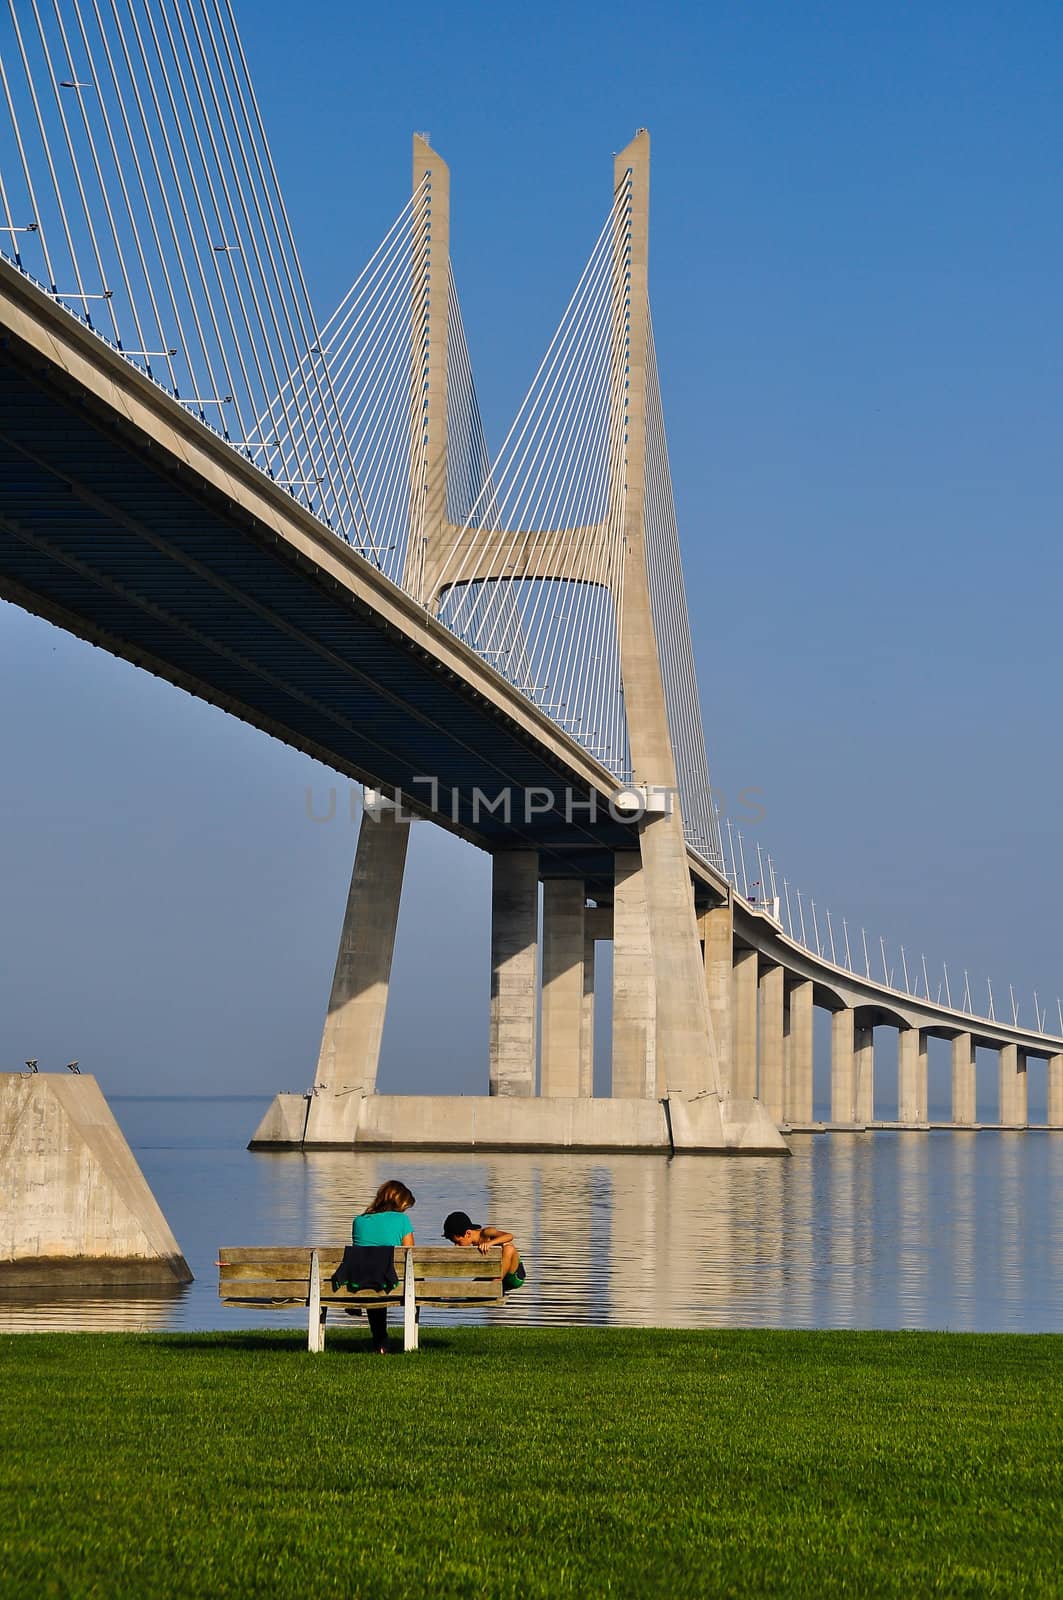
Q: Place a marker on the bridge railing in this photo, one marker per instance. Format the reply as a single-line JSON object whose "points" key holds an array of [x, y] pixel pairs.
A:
{"points": [[872, 956]]}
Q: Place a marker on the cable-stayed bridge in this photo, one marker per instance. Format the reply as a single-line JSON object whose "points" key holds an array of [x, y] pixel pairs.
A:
{"points": [[301, 521]]}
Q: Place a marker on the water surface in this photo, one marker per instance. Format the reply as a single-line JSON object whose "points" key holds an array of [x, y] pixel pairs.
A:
{"points": [[861, 1230]]}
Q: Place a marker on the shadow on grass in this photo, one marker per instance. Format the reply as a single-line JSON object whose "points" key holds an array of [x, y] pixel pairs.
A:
{"points": [[347, 1342]]}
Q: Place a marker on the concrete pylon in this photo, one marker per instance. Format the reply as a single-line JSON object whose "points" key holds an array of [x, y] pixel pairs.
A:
{"points": [[350, 1044], [686, 1060], [687, 1065]]}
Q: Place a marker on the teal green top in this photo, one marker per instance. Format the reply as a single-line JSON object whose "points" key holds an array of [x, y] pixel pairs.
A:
{"points": [[383, 1227]]}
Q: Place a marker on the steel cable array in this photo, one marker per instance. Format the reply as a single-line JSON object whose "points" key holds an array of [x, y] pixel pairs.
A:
{"points": [[137, 186]]}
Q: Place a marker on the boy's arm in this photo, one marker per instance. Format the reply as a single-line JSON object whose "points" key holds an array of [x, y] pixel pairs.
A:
{"points": [[492, 1236]]}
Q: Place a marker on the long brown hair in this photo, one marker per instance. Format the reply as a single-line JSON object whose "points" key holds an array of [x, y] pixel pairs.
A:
{"points": [[391, 1196]]}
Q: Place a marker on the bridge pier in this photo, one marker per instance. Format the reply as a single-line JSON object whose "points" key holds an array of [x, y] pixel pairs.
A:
{"points": [[514, 971], [863, 1074], [799, 1075], [771, 1042], [1012, 1110], [744, 1065], [717, 937], [586, 1038], [911, 1076], [634, 1069], [350, 1044], [564, 950], [1055, 1091], [964, 1108], [842, 1033]]}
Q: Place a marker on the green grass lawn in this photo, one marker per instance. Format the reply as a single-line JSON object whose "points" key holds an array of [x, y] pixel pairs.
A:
{"points": [[531, 1463]]}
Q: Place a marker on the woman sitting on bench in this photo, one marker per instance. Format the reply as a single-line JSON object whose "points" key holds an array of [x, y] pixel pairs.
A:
{"points": [[384, 1223]]}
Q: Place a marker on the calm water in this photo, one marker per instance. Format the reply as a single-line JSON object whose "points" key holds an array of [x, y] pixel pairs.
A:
{"points": [[883, 1230]]}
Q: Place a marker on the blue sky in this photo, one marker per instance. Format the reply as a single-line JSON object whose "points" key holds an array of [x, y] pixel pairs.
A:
{"points": [[855, 267]]}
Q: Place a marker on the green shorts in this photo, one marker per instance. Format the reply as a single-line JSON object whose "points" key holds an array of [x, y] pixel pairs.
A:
{"points": [[514, 1279]]}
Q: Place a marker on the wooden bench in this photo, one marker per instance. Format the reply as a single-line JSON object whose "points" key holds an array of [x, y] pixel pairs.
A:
{"points": [[301, 1275]]}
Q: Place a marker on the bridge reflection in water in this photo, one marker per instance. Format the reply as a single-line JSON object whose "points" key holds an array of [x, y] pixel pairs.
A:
{"points": [[957, 1230], [916, 1230]]}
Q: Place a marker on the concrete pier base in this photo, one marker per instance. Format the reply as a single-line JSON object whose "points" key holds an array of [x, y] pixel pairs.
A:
{"points": [[74, 1206], [510, 1122]]}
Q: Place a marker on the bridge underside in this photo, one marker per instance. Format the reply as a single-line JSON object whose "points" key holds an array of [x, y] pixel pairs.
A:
{"points": [[101, 535]]}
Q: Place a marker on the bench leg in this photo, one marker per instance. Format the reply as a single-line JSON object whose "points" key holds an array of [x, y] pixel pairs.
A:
{"points": [[409, 1305], [315, 1331]]}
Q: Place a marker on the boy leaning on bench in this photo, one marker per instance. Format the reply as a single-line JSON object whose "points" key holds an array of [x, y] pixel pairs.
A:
{"points": [[461, 1231]]}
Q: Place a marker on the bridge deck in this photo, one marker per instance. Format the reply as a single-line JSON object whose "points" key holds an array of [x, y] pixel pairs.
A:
{"points": [[108, 528]]}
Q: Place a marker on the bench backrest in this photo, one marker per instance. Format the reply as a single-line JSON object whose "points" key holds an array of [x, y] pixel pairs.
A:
{"points": [[280, 1275]]}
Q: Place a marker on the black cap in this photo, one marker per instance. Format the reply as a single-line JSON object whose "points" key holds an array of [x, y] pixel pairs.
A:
{"points": [[456, 1224]]}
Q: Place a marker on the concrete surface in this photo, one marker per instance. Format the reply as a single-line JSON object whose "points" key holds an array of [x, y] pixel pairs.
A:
{"points": [[74, 1205]]}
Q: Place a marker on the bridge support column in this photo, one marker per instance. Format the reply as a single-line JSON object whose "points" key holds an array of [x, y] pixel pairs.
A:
{"points": [[1055, 1091], [842, 1094], [685, 1051], [863, 1074], [911, 1075], [744, 1019], [799, 1078], [564, 902], [514, 971], [586, 1037], [350, 1044], [634, 993], [1012, 1111], [963, 1080], [717, 938], [771, 1045]]}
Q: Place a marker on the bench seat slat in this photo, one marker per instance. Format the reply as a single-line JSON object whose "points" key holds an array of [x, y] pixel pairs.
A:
{"points": [[271, 1295], [430, 1254], [263, 1300], [454, 1290], [269, 1287], [245, 1271]]}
